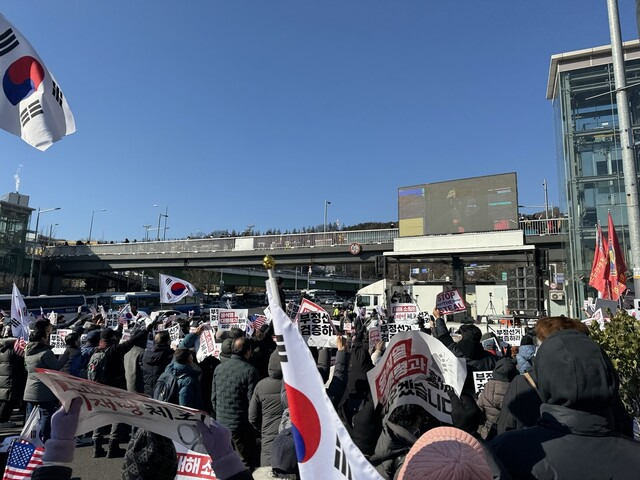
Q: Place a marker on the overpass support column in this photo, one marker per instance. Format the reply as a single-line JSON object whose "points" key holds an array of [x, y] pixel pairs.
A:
{"points": [[457, 267]]}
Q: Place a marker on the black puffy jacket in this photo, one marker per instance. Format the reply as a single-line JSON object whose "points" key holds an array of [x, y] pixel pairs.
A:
{"points": [[13, 376], [232, 389], [154, 362], [265, 409], [575, 435]]}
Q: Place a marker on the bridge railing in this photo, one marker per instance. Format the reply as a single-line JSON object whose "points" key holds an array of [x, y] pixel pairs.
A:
{"points": [[555, 226], [261, 242]]}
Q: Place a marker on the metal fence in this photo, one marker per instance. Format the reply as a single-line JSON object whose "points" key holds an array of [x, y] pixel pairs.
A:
{"points": [[555, 226]]}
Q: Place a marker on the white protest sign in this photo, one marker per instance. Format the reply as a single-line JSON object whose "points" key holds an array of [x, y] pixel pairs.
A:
{"points": [[374, 336], [213, 317], [404, 312], [511, 335], [175, 333], [111, 320], [104, 405], [206, 343], [192, 464], [389, 330], [417, 369], [450, 302], [316, 328], [229, 318], [480, 378], [56, 341]]}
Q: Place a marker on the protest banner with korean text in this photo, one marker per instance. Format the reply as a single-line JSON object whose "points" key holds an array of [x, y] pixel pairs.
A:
{"points": [[450, 302], [480, 379], [56, 341], [193, 465], [105, 405], [417, 369], [374, 336], [389, 330], [229, 318], [206, 344], [511, 335], [316, 328], [404, 312]]}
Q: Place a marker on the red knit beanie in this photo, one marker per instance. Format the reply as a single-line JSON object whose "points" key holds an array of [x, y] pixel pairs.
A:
{"points": [[446, 453]]}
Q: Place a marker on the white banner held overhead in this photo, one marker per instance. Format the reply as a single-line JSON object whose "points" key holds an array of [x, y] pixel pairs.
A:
{"points": [[232, 318], [417, 369], [316, 328], [104, 405], [56, 341]]}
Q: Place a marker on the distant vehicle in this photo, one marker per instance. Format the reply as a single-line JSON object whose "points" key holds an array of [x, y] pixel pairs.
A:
{"points": [[338, 302], [229, 300], [163, 314], [49, 303], [148, 302]]}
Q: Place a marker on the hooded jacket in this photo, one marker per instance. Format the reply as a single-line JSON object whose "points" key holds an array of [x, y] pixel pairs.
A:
{"points": [[13, 376], [490, 399], [115, 352], [574, 437], [265, 409], [154, 362], [40, 355]]}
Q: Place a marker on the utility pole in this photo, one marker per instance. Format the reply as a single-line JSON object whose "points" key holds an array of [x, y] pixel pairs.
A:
{"points": [[628, 160]]}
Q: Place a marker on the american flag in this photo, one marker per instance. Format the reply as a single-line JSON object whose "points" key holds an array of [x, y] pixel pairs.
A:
{"points": [[18, 347], [23, 459], [257, 321]]}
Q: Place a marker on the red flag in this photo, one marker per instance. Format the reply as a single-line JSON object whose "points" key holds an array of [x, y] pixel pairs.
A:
{"points": [[600, 269], [617, 267]]}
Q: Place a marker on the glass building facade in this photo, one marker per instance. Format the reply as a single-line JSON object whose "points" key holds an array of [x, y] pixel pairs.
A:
{"points": [[15, 215], [581, 88]]}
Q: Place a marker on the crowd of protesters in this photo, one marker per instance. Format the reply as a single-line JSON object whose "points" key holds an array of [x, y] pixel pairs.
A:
{"points": [[550, 411]]}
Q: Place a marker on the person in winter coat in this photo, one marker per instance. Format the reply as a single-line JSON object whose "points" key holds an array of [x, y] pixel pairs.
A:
{"points": [[38, 354], [133, 366], [465, 412], [265, 409], [72, 367], [13, 377], [114, 376], [575, 436], [155, 360], [490, 399], [234, 382], [525, 354], [188, 375]]}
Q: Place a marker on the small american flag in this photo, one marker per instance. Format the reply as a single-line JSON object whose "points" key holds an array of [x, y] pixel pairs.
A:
{"points": [[23, 459], [18, 347], [258, 321]]}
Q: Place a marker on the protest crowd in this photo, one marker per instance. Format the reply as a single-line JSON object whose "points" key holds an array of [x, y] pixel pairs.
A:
{"points": [[546, 406]]}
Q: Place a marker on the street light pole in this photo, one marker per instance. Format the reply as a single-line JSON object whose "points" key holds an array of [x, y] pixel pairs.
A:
{"points": [[91, 227], [326, 205], [36, 243], [626, 143], [165, 215], [146, 232]]}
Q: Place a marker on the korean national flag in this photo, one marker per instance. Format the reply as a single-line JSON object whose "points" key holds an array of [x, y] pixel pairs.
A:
{"points": [[174, 289], [32, 105], [324, 449]]}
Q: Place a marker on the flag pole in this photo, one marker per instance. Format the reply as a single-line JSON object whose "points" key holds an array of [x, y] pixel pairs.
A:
{"points": [[269, 263]]}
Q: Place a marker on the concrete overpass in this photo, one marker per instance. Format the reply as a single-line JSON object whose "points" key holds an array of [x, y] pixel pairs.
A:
{"points": [[343, 247]]}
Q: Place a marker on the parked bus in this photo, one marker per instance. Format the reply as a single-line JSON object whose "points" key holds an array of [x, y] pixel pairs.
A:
{"points": [[101, 299], [148, 302], [62, 304]]}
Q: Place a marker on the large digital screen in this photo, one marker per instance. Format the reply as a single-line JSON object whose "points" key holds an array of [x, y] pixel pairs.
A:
{"points": [[479, 204]]}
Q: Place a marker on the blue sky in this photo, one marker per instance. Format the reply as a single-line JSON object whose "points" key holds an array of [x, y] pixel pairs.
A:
{"points": [[246, 112]]}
